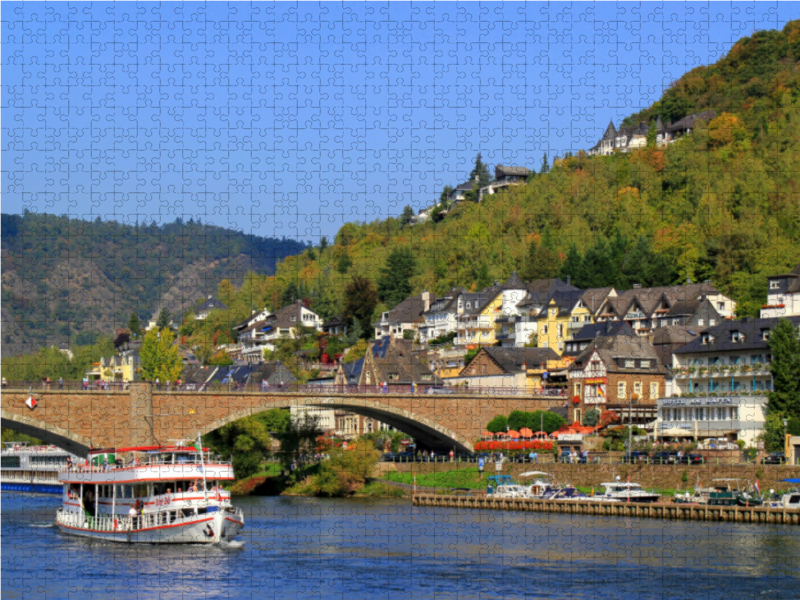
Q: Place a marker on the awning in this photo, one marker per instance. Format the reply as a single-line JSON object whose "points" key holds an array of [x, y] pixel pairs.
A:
{"points": [[562, 373]]}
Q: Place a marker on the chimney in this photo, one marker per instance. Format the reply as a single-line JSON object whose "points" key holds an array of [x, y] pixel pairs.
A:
{"points": [[209, 297], [426, 299], [568, 279]]}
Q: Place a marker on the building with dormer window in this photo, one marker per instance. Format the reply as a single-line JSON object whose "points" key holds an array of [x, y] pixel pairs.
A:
{"points": [[783, 295]]}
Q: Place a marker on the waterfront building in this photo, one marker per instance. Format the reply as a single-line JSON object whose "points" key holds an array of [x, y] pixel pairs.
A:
{"points": [[619, 373], [731, 358], [734, 417]]}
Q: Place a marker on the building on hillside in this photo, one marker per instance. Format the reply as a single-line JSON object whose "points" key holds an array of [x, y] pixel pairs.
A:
{"points": [[646, 309], [348, 373], [446, 362], [275, 373], [783, 295], [440, 318], [459, 194], [634, 137], [619, 373], [730, 358], [589, 332], [733, 417], [509, 368], [504, 177], [666, 340], [201, 310], [151, 324], [283, 324], [334, 326], [390, 360], [477, 325], [116, 369], [406, 316]]}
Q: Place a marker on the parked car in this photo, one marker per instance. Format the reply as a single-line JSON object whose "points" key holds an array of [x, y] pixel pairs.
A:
{"points": [[635, 457], [389, 457], [776, 458], [664, 458], [692, 459], [440, 390]]}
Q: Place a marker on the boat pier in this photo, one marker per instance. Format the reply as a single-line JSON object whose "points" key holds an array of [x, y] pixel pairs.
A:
{"points": [[633, 510]]}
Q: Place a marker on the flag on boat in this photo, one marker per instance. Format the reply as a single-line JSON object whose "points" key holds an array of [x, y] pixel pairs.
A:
{"points": [[31, 402], [758, 489]]}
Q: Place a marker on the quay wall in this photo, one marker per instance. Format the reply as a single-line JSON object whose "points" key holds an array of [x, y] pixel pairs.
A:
{"points": [[687, 512], [649, 476]]}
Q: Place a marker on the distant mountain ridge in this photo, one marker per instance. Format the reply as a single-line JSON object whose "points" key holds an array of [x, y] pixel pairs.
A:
{"points": [[67, 279]]}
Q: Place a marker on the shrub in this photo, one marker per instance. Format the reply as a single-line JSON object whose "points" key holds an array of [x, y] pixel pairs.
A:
{"points": [[592, 417], [498, 424]]}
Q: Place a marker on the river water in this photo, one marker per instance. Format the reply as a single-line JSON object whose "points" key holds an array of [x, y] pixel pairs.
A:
{"points": [[348, 549]]}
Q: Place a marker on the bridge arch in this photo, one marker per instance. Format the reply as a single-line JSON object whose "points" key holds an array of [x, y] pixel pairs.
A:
{"points": [[49, 434], [427, 432]]}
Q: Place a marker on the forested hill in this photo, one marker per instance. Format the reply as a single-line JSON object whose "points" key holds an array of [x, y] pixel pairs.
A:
{"points": [[721, 204], [66, 279]]}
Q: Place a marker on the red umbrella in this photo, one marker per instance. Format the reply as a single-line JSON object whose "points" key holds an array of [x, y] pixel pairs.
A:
{"points": [[513, 434], [487, 434], [525, 432]]}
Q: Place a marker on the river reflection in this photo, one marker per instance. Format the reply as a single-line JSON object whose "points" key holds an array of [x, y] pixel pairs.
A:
{"points": [[308, 548]]}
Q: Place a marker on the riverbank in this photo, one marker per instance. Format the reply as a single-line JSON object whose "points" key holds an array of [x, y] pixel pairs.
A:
{"points": [[664, 478]]}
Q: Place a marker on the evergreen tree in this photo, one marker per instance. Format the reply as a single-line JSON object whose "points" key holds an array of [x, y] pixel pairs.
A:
{"points": [[572, 267], [481, 171], [598, 266], [323, 243], [651, 135], [482, 277], [134, 325], [545, 165], [405, 218], [360, 300], [394, 284], [164, 319], [344, 263], [290, 294], [445, 195], [784, 345], [543, 261]]}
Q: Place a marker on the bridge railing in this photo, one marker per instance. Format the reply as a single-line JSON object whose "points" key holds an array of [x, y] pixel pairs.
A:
{"points": [[297, 388]]}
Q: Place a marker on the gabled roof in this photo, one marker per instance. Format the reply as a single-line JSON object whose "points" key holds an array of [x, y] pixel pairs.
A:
{"points": [[719, 336], [650, 298], [593, 297], [334, 321], [612, 348], [541, 291], [688, 121], [211, 303], [464, 187], [393, 361], [352, 370], [606, 328], [446, 302], [675, 334], [409, 310], [513, 283], [512, 359]]}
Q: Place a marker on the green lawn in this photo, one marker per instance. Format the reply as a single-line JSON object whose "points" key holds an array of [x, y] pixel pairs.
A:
{"points": [[466, 478]]}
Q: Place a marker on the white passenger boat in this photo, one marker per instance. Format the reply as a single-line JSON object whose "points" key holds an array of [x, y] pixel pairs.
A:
{"points": [[150, 495], [541, 485], [626, 492], [32, 468]]}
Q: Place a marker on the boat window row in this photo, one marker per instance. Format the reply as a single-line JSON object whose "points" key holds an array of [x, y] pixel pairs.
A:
{"points": [[144, 490]]}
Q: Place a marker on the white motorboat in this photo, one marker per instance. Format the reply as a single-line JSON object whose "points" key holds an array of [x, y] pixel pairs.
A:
{"points": [[626, 492], [149, 495], [541, 486], [504, 486]]}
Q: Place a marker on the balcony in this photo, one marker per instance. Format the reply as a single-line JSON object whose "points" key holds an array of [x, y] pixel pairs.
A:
{"points": [[573, 325]]}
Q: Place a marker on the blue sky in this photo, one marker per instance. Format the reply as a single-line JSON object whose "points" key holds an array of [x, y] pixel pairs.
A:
{"points": [[292, 119]]}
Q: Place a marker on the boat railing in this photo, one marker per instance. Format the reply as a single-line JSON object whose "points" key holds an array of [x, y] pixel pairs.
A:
{"points": [[99, 523], [141, 463]]}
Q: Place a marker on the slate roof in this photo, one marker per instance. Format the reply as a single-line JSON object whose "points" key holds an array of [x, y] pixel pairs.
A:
{"points": [[511, 359], [790, 283], [409, 310], [446, 302], [720, 336], [612, 348], [610, 133], [513, 283], [464, 187], [650, 298], [541, 291], [211, 303], [352, 370], [689, 121], [675, 334], [392, 356], [606, 328], [501, 171], [593, 297]]}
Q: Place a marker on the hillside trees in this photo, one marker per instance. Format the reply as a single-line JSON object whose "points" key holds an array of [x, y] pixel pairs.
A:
{"points": [[159, 356], [360, 300], [394, 283], [784, 345]]}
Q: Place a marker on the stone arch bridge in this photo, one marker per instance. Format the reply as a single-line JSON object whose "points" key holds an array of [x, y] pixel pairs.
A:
{"points": [[77, 420]]}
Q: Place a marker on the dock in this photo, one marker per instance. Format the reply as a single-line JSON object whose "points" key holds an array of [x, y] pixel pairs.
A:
{"points": [[633, 510]]}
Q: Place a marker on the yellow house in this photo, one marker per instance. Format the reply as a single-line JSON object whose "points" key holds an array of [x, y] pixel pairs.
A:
{"points": [[116, 368], [563, 316], [475, 327]]}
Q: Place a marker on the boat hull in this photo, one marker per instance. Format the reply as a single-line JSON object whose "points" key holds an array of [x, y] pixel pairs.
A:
{"points": [[205, 529]]}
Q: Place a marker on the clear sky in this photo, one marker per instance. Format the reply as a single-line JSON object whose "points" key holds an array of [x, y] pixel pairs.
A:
{"points": [[290, 119]]}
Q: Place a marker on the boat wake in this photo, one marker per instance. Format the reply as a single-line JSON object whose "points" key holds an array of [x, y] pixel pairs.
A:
{"points": [[48, 525], [234, 545]]}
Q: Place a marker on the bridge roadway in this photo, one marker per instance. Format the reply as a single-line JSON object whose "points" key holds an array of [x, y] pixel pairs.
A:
{"points": [[77, 420]]}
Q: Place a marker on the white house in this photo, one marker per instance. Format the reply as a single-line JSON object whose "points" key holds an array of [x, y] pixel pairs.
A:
{"points": [[783, 295]]}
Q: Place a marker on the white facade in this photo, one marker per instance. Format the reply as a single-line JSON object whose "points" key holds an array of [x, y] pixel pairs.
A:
{"points": [[733, 417], [326, 419], [593, 379], [729, 372], [780, 302]]}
